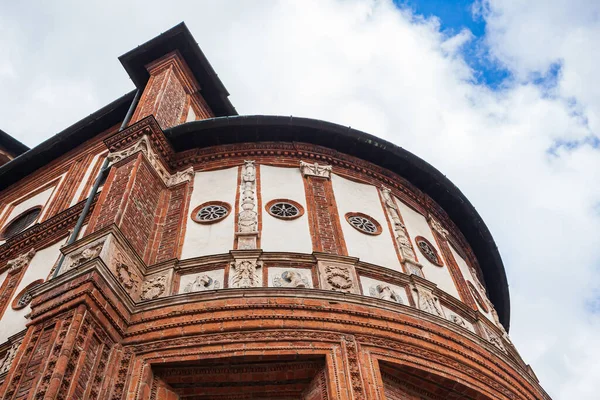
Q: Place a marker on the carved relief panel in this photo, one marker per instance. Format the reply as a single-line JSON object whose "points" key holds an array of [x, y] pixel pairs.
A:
{"points": [[245, 271], [156, 285], [338, 277], [247, 232], [290, 277], [202, 281], [383, 290]]}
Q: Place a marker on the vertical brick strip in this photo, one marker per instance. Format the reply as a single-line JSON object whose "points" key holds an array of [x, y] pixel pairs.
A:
{"points": [[455, 272], [8, 288], [323, 218]]}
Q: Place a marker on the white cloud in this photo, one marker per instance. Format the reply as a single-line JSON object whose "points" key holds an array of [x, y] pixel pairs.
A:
{"points": [[386, 71]]}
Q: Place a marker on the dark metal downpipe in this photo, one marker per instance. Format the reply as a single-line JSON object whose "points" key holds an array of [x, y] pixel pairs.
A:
{"points": [[103, 172]]}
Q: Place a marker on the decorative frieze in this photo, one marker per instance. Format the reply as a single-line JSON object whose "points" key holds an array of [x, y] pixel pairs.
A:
{"points": [[315, 169], [400, 232], [247, 232]]}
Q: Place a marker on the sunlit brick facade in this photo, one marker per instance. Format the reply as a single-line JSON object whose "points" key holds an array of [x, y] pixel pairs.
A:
{"points": [[167, 248]]}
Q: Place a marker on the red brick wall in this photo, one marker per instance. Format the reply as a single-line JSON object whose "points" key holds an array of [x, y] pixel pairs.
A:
{"points": [[172, 231], [138, 221]]}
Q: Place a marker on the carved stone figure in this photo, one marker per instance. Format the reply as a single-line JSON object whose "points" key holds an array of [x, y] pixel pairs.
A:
{"points": [[245, 274], [458, 320], [248, 214], [384, 292], [428, 301], [339, 278], [400, 232], [154, 287], [322, 171], [291, 279], [201, 283], [21, 261]]}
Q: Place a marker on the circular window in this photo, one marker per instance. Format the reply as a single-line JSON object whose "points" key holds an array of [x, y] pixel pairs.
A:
{"points": [[20, 223], [211, 212], [284, 209], [428, 250], [24, 297], [477, 296], [363, 223]]}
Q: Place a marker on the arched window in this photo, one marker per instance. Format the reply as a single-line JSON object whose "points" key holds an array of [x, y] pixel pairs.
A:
{"points": [[20, 223]]}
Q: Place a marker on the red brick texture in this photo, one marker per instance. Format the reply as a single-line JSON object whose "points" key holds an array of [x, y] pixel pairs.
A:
{"points": [[323, 216], [169, 93]]}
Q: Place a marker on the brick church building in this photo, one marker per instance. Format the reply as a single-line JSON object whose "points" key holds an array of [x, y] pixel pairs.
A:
{"points": [[166, 247]]}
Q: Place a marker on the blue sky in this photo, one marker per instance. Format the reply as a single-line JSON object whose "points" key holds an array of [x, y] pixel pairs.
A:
{"points": [[454, 16]]}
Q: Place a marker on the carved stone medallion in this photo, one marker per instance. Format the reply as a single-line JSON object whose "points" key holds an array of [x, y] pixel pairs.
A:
{"points": [[154, 287]]}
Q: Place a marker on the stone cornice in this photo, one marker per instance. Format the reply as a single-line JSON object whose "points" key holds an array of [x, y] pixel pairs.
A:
{"points": [[146, 127]]}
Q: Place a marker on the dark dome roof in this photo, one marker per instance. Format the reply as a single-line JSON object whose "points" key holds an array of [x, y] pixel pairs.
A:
{"points": [[262, 128]]}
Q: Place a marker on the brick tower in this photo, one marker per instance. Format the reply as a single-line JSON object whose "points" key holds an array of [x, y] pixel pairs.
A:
{"points": [[166, 248]]}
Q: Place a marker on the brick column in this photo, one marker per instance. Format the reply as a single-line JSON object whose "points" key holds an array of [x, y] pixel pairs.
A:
{"points": [[323, 217], [137, 194], [171, 94]]}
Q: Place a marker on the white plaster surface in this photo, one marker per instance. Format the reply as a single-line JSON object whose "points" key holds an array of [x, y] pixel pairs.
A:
{"points": [[369, 283], [214, 238], [417, 225], [217, 275], [3, 277], [277, 234], [351, 196], [191, 115], [13, 321], [305, 273]]}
